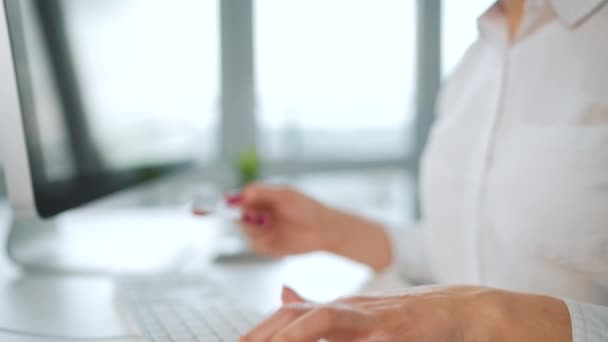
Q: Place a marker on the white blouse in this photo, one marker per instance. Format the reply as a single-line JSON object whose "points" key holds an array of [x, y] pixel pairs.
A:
{"points": [[514, 179]]}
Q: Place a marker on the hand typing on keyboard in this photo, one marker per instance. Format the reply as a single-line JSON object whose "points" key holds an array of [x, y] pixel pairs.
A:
{"points": [[435, 313]]}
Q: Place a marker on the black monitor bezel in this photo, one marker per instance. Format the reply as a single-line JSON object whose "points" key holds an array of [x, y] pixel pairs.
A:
{"points": [[54, 197]]}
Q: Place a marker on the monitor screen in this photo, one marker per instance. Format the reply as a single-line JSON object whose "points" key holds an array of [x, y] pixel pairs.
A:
{"points": [[112, 93]]}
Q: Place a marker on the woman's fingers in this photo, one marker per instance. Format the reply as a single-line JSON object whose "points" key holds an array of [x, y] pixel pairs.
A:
{"points": [[302, 320], [322, 322], [265, 331], [260, 234], [290, 296], [256, 218], [234, 199]]}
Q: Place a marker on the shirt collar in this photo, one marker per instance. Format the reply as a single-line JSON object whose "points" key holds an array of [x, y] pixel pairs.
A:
{"points": [[574, 12], [570, 13]]}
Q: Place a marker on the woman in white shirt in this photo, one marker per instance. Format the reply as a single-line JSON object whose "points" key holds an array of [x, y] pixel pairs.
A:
{"points": [[514, 192]]}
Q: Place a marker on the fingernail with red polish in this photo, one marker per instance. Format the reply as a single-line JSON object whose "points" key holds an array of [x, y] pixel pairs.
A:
{"points": [[234, 199], [262, 221]]}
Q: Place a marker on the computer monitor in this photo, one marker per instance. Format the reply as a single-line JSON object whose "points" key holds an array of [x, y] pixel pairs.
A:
{"points": [[67, 138], [71, 131]]}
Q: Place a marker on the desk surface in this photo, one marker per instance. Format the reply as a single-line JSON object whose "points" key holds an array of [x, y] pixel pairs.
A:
{"points": [[84, 306]]}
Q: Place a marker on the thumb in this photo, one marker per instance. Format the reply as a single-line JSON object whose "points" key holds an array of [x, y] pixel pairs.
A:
{"points": [[289, 296]]}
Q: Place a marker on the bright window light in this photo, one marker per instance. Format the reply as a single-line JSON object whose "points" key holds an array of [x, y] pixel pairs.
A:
{"points": [[335, 78]]}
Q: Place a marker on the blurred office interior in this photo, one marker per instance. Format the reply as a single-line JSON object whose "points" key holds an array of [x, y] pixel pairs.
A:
{"points": [[334, 96]]}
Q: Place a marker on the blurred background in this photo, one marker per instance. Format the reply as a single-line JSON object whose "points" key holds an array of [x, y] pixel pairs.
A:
{"points": [[335, 96]]}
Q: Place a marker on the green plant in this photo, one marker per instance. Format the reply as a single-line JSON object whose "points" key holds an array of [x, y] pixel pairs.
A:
{"points": [[248, 166]]}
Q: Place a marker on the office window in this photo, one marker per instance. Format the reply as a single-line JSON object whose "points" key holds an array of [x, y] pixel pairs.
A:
{"points": [[334, 78], [459, 29], [149, 73], [382, 194]]}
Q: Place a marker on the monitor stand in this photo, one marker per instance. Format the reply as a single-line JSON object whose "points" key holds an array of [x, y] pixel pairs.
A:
{"points": [[128, 241], [29, 243], [145, 229]]}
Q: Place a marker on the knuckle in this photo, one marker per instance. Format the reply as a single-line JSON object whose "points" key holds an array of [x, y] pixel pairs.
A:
{"points": [[288, 197], [286, 192], [291, 311], [328, 314]]}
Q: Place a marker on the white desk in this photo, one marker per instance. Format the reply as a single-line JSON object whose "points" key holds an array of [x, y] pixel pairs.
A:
{"points": [[83, 306]]}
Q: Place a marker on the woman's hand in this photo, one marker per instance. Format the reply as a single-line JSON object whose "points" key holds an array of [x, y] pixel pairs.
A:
{"points": [[425, 314], [280, 221]]}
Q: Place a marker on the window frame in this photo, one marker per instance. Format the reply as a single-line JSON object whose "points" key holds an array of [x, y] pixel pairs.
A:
{"points": [[238, 91]]}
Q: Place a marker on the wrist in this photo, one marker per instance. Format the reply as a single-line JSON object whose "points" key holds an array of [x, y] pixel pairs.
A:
{"points": [[333, 225], [357, 238], [487, 318], [509, 316]]}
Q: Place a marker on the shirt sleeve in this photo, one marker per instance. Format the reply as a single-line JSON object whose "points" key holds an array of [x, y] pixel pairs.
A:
{"points": [[409, 253], [589, 321]]}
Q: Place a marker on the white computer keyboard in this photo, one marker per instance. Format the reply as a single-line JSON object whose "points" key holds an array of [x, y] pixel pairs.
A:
{"points": [[176, 308]]}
